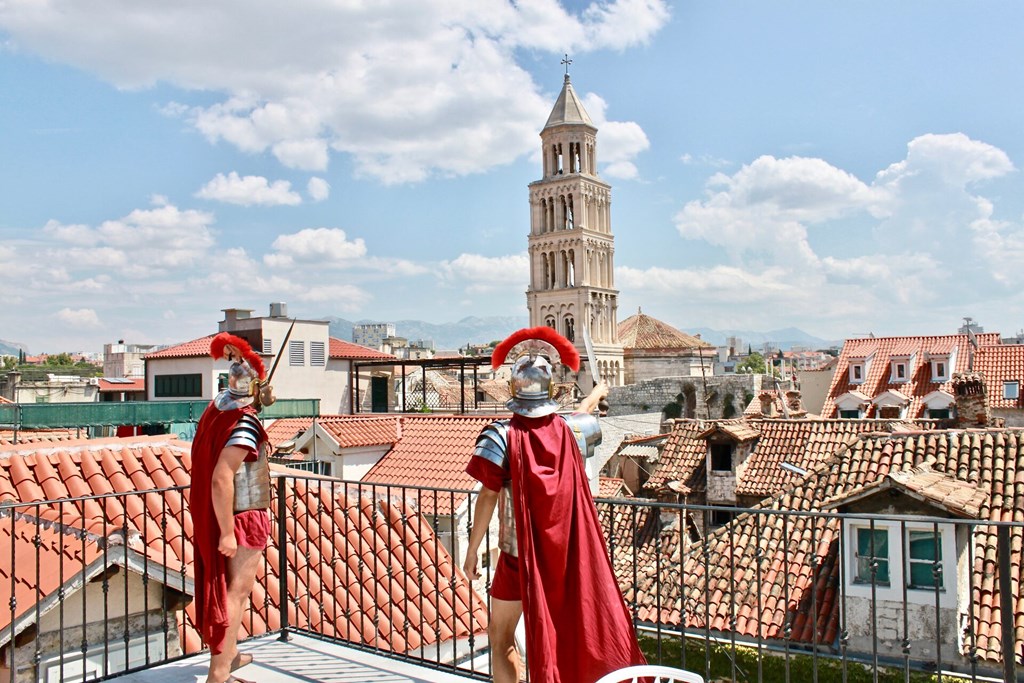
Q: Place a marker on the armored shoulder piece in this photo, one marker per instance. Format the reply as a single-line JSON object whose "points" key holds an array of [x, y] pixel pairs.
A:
{"points": [[492, 443], [247, 433], [587, 431]]}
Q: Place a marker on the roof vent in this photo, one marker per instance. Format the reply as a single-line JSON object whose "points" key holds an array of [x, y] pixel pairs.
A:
{"points": [[279, 310]]}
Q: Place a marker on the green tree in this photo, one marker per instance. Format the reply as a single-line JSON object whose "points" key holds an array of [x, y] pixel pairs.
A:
{"points": [[753, 364], [61, 359], [10, 363]]}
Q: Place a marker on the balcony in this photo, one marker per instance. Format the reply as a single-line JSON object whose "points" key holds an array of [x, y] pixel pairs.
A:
{"points": [[362, 577]]}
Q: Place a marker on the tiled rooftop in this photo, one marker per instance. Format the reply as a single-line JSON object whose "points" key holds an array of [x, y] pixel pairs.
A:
{"points": [[286, 429], [336, 349], [641, 331], [1001, 363], [768, 571], [349, 351], [40, 435], [683, 455], [127, 384], [881, 350], [802, 443], [340, 542], [189, 349], [433, 451], [613, 487], [366, 430]]}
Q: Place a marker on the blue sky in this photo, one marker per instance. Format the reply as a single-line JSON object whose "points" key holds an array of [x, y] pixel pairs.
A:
{"points": [[844, 168]]}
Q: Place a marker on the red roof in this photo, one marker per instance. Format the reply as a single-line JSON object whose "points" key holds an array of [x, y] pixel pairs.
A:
{"points": [[127, 384], [770, 572], [190, 349], [349, 351], [1001, 363], [433, 451], [286, 429], [881, 350], [344, 542], [362, 430]]}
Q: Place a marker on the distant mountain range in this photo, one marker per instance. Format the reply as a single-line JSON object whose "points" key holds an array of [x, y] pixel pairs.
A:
{"points": [[784, 339], [477, 330], [8, 348]]}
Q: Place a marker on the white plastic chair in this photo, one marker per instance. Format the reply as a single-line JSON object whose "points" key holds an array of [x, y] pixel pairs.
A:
{"points": [[658, 674]]}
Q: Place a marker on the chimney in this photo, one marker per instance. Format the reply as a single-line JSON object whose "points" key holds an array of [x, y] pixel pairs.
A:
{"points": [[278, 309], [971, 399], [767, 399]]}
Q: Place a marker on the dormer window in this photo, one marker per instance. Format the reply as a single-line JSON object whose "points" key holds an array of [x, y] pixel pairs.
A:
{"points": [[942, 364], [899, 372], [1011, 390], [721, 457], [856, 373]]}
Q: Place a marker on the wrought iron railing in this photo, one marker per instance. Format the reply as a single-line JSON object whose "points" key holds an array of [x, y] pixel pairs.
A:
{"points": [[93, 587]]}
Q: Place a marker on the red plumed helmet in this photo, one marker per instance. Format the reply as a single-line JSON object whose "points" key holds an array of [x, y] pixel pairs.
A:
{"points": [[224, 339], [544, 340]]}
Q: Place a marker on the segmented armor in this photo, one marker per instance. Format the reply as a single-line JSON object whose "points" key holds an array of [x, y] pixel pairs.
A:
{"points": [[492, 445], [252, 480]]}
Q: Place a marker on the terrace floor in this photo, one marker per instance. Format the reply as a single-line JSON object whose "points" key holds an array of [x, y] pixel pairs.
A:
{"points": [[301, 659]]}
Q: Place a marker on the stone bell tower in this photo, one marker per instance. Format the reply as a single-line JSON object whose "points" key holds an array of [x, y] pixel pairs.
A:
{"points": [[572, 279]]}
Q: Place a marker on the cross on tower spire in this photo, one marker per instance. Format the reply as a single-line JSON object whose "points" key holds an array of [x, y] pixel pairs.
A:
{"points": [[567, 62]]}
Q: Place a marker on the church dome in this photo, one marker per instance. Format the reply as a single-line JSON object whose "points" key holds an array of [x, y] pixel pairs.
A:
{"points": [[641, 331]]}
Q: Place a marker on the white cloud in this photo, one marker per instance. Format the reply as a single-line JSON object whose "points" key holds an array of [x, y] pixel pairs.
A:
{"points": [[622, 170], [476, 273], [821, 243], [308, 155], [318, 189], [621, 141], [325, 247], [400, 86], [82, 317], [250, 190]]}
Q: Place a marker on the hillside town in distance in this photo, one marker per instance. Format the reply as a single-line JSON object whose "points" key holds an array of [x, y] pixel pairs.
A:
{"points": [[765, 506]]}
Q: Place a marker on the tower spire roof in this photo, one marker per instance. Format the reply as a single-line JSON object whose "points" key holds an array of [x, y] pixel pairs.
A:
{"points": [[568, 108]]}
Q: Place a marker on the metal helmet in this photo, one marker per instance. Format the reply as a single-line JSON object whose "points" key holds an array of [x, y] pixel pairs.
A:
{"points": [[531, 383], [532, 387], [244, 375]]}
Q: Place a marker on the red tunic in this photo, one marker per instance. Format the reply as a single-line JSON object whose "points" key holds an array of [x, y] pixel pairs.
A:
{"points": [[578, 627], [212, 433]]}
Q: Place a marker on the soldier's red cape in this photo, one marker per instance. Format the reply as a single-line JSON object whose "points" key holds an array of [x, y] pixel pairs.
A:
{"points": [[578, 627], [210, 565]]}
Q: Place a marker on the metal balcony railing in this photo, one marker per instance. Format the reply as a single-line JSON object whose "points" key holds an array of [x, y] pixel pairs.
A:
{"points": [[97, 586]]}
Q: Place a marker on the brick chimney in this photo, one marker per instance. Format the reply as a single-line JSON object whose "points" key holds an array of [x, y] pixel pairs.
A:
{"points": [[971, 399]]}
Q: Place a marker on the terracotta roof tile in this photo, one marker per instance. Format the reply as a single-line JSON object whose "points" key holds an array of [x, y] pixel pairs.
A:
{"points": [[613, 487], [433, 451], [349, 351], [41, 435], [189, 349], [682, 455], [128, 384], [366, 430], [749, 564], [341, 540], [641, 331], [286, 429], [877, 378], [1001, 363]]}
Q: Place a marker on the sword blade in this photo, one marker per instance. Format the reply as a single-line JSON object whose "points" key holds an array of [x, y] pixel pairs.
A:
{"points": [[591, 356], [284, 345]]}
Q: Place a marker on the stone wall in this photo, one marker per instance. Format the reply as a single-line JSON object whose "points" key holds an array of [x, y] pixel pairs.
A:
{"points": [[708, 398]]}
